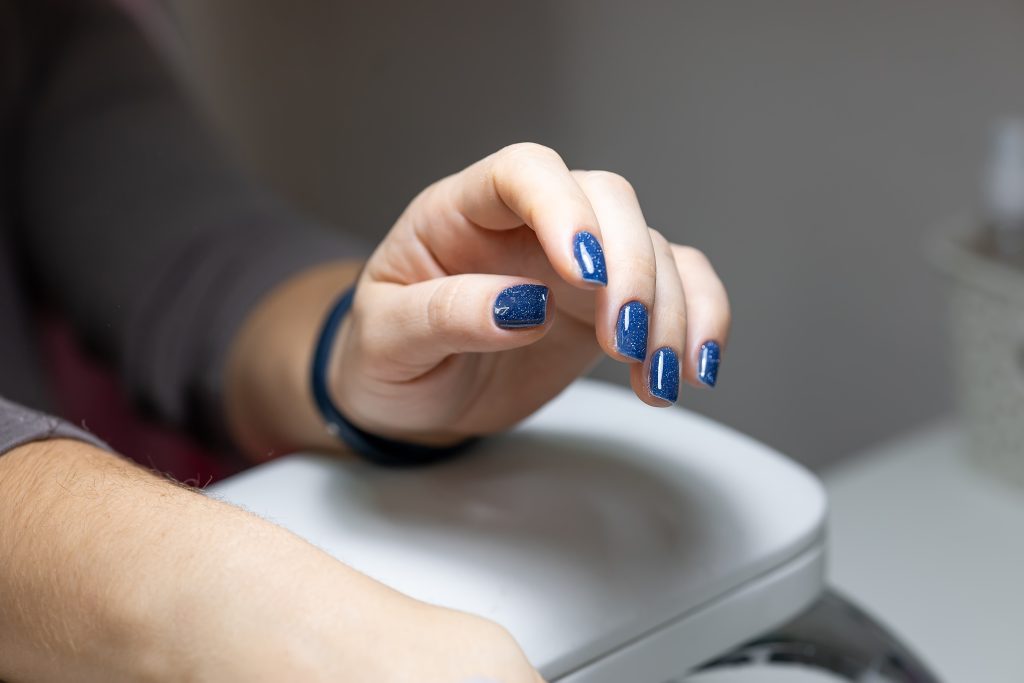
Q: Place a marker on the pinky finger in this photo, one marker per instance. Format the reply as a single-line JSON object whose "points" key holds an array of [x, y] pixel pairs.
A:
{"points": [[708, 316]]}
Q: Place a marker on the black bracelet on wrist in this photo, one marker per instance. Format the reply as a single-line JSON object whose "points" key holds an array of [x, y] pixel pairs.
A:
{"points": [[375, 449]]}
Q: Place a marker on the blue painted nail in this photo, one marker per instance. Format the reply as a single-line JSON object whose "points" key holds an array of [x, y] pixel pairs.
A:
{"points": [[631, 330], [590, 257], [707, 366], [521, 306], [664, 382]]}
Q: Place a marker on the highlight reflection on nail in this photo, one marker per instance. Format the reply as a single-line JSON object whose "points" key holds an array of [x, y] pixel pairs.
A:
{"points": [[521, 306], [590, 258], [664, 379]]}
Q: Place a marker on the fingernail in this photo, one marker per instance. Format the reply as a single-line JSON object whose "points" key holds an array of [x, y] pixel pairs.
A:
{"points": [[707, 366], [664, 382], [521, 306], [631, 330], [590, 257]]}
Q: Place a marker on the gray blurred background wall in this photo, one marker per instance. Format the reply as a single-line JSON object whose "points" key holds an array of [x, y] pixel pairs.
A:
{"points": [[808, 147]]}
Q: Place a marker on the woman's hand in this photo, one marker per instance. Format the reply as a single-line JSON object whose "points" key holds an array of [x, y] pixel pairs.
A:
{"points": [[496, 288], [501, 284], [110, 573]]}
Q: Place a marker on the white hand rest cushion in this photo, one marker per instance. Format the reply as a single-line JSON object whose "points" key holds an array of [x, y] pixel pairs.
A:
{"points": [[616, 541]]}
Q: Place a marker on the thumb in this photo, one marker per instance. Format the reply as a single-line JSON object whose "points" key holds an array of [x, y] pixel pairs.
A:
{"points": [[414, 327]]}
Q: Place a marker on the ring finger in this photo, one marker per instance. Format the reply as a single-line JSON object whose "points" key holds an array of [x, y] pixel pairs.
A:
{"points": [[656, 382]]}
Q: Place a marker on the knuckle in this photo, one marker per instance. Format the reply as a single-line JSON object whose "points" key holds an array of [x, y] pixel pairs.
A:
{"points": [[441, 307], [726, 314], [711, 309], [430, 193], [690, 254], [702, 304], [659, 241], [613, 183], [642, 267], [526, 152]]}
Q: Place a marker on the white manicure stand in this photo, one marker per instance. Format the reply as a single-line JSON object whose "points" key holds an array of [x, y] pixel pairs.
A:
{"points": [[617, 542]]}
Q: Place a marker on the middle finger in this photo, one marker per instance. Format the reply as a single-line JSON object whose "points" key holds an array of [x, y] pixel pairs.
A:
{"points": [[624, 306]]}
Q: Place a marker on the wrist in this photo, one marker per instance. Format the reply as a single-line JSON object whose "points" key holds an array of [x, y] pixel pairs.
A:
{"points": [[268, 401]]}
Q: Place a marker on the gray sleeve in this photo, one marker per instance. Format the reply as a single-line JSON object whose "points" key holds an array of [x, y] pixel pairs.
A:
{"points": [[138, 228], [19, 425]]}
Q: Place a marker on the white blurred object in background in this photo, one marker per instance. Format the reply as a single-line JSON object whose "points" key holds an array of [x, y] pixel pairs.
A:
{"points": [[984, 257], [1004, 188]]}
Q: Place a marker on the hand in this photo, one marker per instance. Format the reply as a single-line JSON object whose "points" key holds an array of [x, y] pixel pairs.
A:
{"points": [[433, 351], [111, 574]]}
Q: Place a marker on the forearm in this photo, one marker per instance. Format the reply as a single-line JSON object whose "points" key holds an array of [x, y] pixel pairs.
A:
{"points": [[267, 394], [111, 573], [73, 520]]}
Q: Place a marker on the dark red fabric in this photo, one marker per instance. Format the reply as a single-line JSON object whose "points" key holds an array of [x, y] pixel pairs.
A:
{"points": [[88, 394]]}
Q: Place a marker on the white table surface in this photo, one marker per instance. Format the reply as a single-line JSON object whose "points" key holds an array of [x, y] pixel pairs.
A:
{"points": [[933, 548]]}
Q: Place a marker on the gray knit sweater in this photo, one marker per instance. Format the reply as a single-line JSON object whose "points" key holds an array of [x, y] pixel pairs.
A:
{"points": [[116, 209]]}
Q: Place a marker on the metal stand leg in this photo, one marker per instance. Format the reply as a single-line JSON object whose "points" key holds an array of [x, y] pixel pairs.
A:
{"points": [[835, 636]]}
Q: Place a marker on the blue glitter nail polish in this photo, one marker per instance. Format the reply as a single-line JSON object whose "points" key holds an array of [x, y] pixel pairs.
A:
{"points": [[631, 330], [521, 306], [664, 381], [590, 257], [707, 366]]}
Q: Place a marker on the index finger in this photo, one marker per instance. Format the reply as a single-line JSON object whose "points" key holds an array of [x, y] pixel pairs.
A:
{"points": [[529, 184]]}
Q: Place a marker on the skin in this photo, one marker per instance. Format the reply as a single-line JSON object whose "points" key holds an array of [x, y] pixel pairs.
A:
{"points": [[129, 577]]}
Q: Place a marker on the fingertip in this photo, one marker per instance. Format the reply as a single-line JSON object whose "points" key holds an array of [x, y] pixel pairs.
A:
{"points": [[663, 375], [702, 366], [522, 306], [638, 382], [632, 328], [708, 360]]}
